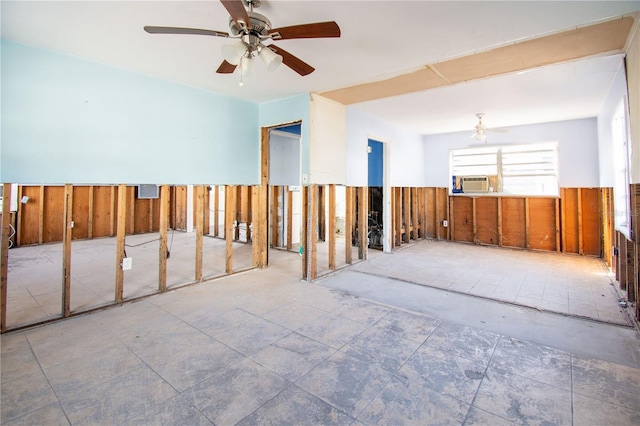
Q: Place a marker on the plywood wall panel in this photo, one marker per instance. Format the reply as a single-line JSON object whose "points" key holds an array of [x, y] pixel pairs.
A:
{"points": [[143, 215], [570, 225], [430, 206], [53, 223], [179, 208], [513, 222], [487, 220], [462, 219], [29, 229], [80, 214], [542, 224], [591, 221], [102, 214]]}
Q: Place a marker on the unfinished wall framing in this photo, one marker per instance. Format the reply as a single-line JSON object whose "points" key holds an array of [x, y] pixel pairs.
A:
{"points": [[68, 215]]}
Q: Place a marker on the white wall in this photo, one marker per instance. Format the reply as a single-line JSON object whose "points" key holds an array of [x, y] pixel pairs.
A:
{"points": [[617, 94], [405, 149], [577, 150], [327, 151], [284, 158]]}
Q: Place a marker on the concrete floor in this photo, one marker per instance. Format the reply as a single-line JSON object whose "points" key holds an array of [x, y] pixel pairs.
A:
{"points": [[262, 347]]}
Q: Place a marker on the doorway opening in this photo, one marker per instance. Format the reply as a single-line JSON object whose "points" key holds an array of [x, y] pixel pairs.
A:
{"points": [[285, 191], [375, 183]]}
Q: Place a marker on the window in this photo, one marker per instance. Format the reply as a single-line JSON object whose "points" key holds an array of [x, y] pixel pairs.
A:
{"points": [[530, 169], [620, 164]]}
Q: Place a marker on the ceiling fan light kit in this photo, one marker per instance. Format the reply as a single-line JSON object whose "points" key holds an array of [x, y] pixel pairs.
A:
{"points": [[253, 29], [480, 134]]}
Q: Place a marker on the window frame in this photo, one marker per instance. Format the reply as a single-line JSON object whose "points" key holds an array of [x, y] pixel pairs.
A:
{"points": [[548, 168]]}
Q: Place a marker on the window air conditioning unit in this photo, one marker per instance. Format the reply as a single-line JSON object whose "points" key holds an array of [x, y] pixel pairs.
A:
{"points": [[475, 184]]}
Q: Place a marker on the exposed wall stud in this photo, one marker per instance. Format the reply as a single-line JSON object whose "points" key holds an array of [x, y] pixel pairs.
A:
{"points": [[4, 257], [229, 216], [199, 230], [331, 218], [121, 223], [164, 225], [362, 222], [67, 235], [41, 217], [313, 232], [289, 219], [304, 237], [348, 219]]}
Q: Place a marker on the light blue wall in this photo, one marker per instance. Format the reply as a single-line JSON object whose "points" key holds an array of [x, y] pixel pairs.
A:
{"points": [[289, 110], [577, 150], [405, 149], [68, 120]]}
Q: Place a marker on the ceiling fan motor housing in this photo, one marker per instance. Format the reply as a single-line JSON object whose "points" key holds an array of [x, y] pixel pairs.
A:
{"points": [[260, 25]]}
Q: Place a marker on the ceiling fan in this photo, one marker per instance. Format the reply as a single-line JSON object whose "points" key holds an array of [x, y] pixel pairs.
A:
{"points": [[252, 29], [480, 135]]}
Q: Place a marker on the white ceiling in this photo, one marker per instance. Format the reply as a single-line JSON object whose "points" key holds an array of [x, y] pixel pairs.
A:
{"points": [[379, 39]]}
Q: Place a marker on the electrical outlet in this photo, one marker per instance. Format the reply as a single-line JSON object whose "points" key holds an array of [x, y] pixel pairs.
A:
{"points": [[72, 224], [127, 263], [445, 223], [305, 179]]}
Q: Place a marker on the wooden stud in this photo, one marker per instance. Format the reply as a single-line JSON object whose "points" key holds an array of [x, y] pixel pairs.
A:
{"points": [[199, 230], [249, 207], [289, 219], [500, 221], [423, 210], [238, 212], [112, 215], [331, 218], [527, 227], [67, 235], [274, 216], [216, 211], [313, 232], [436, 217], [563, 219], [121, 223], [322, 220], [19, 219], [557, 211], [414, 213], [206, 210], [450, 216], [398, 214], [131, 219], [607, 237], [4, 258], [392, 225], [164, 225], [362, 222], [229, 216], [580, 239], [304, 238], [41, 217], [260, 206], [406, 212], [348, 219], [91, 213], [259, 242]]}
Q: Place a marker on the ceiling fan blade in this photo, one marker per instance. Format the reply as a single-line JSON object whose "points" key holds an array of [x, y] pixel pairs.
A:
{"points": [[237, 11], [226, 68], [315, 30], [296, 64], [178, 30]]}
